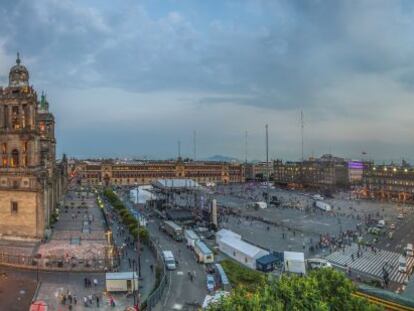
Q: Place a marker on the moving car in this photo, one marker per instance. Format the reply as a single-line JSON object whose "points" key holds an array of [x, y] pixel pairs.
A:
{"points": [[317, 197], [381, 223], [400, 216], [211, 283], [392, 227], [169, 260], [402, 264], [323, 206], [409, 250]]}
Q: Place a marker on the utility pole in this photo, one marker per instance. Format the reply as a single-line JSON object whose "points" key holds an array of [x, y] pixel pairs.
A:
{"points": [[179, 149], [245, 146], [302, 129], [194, 145], [267, 163]]}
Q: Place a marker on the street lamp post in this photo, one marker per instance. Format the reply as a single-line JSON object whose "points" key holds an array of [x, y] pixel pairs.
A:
{"points": [[37, 271], [133, 284]]}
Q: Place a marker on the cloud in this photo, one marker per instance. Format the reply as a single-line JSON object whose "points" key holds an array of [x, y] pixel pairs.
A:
{"points": [[347, 64]]}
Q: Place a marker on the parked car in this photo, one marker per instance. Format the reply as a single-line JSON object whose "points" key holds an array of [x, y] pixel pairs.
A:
{"points": [[211, 283], [318, 263]]}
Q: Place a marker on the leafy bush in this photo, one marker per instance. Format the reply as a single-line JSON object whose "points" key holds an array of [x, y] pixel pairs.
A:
{"points": [[320, 290]]}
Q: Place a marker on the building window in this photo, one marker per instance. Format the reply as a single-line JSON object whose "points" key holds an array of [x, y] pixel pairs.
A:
{"points": [[14, 208], [15, 158], [15, 117]]}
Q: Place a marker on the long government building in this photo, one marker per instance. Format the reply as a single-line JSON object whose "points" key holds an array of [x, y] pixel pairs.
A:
{"points": [[142, 173]]}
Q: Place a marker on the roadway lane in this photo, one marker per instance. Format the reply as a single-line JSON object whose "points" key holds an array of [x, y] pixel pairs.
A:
{"points": [[181, 290], [403, 234]]}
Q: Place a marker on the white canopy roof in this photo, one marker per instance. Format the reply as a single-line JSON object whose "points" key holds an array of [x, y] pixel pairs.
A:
{"points": [[243, 247], [176, 183], [121, 276]]}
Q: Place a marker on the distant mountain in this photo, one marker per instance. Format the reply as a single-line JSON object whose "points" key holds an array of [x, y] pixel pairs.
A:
{"points": [[221, 158]]}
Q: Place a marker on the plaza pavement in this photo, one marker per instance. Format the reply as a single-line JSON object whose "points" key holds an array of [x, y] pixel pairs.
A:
{"points": [[78, 236]]}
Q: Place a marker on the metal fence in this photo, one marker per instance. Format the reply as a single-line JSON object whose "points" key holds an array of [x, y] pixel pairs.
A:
{"points": [[156, 295], [54, 263]]}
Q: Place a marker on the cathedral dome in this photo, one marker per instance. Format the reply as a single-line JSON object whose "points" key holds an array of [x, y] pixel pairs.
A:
{"points": [[19, 75]]}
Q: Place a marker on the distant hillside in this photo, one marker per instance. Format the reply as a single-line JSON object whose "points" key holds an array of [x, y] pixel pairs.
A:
{"points": [[221, 158]]}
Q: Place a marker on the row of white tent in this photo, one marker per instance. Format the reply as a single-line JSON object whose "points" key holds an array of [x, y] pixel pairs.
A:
{"points": [[231, 244]]}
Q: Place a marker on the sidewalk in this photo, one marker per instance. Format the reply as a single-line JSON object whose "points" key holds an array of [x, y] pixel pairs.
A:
{"points": [[128, 255]]}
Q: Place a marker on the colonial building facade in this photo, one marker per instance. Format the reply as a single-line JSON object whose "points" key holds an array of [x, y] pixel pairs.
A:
{"points": [[143, 173], [324, 172], [31, 182], [388, 182]]}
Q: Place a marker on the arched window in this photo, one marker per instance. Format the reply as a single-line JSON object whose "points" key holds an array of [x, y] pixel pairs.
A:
{"points": [[15, 158]]}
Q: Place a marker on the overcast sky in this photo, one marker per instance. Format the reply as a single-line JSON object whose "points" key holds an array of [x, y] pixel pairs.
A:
{"points": [[131, 78]]}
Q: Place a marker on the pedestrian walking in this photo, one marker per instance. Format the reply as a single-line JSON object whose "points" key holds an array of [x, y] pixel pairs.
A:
{"points": [[97, 301]]}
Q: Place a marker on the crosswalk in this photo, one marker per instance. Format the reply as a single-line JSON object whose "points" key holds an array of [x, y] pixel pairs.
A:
{"points": [[372, 263]]}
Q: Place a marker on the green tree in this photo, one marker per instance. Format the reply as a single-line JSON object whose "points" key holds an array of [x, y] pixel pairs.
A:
{"points": [[320, 290]]}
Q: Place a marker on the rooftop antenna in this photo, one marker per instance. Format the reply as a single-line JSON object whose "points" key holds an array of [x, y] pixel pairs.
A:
{"points": [[179, 149], [302, 129], [245, 146], [194, 145], [267, 163]]}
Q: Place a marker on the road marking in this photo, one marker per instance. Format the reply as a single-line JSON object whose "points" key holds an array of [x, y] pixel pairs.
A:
{"points": [[180, 273]]}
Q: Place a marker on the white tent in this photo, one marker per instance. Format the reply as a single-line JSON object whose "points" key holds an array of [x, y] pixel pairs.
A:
{"points": [[240, 250], [224, 232], [144, 194]]}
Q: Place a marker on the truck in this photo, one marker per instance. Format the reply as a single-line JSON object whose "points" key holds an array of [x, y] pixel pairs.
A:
{"points": [[203, 253], [121, 281], [294, 262], [323, 206], [174, 230], [191, 238]]}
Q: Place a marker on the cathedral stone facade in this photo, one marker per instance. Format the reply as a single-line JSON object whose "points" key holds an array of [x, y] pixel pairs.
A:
{"points": [[31, 181]]}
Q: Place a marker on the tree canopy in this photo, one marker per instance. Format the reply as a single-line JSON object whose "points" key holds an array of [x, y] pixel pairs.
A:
{"points": [[320, 290]]}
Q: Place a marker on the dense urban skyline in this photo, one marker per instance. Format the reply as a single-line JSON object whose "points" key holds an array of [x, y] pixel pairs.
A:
{"points": [[132, 78]]}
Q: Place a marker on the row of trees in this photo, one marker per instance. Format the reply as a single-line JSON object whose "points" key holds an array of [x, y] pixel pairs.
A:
{"points": [[127, 218], [320, 290]]}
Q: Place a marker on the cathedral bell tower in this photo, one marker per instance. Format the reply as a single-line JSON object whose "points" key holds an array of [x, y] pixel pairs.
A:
{"points": [[27, 152]]}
